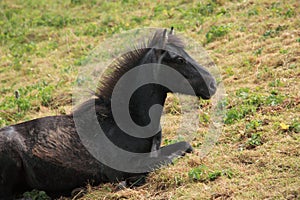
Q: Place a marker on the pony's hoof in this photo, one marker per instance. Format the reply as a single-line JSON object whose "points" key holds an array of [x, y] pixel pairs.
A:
{"points": [[186, 148], [189, 148], [121, 186]]}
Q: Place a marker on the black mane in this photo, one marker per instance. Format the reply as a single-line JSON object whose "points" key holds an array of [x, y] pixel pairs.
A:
{"points": [[130, 60]]}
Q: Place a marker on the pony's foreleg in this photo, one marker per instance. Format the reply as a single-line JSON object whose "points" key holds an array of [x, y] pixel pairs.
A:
{"points": [[156, 141], [156, 159], [165, 155], [176, 150]]}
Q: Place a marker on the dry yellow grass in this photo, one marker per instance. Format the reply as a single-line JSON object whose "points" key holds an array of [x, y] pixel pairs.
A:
{"points": [[260, 51]]}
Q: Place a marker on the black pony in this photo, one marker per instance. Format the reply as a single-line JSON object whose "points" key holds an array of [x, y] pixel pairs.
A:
{"points": [[56, 153]]}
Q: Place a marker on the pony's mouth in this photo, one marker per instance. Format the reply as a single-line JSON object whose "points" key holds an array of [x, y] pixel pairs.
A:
{"points": [[204, 90]]}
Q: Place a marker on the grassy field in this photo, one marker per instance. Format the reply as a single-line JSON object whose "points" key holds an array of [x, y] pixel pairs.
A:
{"points": [[255, 43]]}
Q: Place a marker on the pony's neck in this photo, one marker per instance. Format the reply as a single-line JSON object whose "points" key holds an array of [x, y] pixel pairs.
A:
{"points": [[142, 101], [144, 97], [147, 96]]}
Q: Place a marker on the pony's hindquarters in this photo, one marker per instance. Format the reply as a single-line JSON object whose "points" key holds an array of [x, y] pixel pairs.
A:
{"points": [[52, 156]]}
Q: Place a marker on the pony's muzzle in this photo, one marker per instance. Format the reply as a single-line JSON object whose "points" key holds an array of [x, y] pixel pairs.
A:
{"points": [[208, 91], [212, 87]]}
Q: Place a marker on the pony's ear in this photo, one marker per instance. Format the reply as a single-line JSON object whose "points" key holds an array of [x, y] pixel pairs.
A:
{"points": [[165, 38], [171, 31]]}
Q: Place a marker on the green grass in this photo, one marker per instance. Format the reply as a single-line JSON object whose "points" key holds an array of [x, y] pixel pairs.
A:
{"points": [[36, 195], [256, 44], [216, 32]]}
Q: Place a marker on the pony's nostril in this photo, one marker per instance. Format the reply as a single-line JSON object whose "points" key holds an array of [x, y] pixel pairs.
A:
{"points": [[213, 87]]}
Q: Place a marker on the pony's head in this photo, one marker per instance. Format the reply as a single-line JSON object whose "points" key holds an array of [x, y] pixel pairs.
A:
{"points": [[170, 50], [163, 48]]}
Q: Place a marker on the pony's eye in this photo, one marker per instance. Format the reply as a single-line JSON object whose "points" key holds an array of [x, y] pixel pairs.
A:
{"points": [[180, 60]]}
